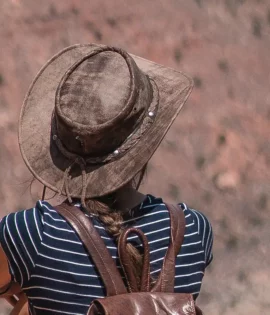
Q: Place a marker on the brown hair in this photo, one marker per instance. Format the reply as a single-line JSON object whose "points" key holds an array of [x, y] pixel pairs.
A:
{"points": [[113, 219]]}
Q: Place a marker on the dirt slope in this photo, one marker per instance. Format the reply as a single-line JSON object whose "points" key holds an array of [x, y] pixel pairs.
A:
{"points": [[216, 157]]}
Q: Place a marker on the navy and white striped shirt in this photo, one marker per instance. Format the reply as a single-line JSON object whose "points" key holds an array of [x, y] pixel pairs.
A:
{"points": [[52, 266]]}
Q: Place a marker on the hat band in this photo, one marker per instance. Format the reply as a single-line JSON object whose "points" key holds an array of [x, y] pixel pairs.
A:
{"points": [[131, 140]]}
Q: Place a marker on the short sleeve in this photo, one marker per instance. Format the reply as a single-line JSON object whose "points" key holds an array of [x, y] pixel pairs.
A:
{"points": [[20, 237], [206, 233]]}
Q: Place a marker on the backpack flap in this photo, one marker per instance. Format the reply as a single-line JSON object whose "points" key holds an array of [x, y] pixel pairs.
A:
{"points": [[145, 303]]}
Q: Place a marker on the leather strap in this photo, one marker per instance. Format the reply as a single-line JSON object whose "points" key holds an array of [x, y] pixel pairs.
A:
{"points": [[165, 282], [96, 248], [14, 295], [106, 265], [127, 263], [5, 289], [21, 307], [9, 292]]}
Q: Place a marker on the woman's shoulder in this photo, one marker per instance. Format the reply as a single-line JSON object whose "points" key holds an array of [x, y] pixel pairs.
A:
{"points": [[20, 236], [202, 227], [197, 223], [153, 206], [199, 218], [158, 205], [25, 224], [31, 217]]}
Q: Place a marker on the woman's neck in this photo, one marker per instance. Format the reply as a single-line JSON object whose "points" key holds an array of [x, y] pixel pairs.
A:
{"points": [[128, 198]]}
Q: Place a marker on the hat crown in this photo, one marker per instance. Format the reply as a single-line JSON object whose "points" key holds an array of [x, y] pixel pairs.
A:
{"points": [[100, 101], [97, 90]]}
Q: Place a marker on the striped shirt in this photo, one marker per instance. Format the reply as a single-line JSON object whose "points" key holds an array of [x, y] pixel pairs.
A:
{"points": [[52, 266]]}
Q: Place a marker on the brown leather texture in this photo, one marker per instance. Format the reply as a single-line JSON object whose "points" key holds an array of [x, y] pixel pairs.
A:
{"points": [[16, 297], [161, 299], [104, 115], [145, 304], [104, 111], [96, 247], [165, 282], [21, 307], [126, 265]]}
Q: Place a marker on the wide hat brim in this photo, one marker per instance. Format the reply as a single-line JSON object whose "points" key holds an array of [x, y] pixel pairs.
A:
{"points": [[42, 156]]}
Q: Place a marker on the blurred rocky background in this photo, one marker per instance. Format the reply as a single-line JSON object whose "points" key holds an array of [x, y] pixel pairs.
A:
{"points": [[216, 157]]}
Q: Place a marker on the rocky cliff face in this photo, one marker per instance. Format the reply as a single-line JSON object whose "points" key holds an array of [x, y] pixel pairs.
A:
{"points": [[215, 158]]}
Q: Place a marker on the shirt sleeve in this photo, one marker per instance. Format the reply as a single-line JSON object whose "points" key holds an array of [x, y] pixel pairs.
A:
{"points": [[206, 233], [204, 230], [19, 238]]}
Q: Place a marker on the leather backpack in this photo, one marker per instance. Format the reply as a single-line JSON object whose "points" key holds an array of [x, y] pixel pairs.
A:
{"points": [[120, 300], [130, 299]]}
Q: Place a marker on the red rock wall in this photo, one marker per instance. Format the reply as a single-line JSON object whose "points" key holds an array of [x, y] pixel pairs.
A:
{"points": [[216, 156]]}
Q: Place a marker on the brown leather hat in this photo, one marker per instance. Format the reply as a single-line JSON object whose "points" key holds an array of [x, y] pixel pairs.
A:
{"points": [[94, 116]]}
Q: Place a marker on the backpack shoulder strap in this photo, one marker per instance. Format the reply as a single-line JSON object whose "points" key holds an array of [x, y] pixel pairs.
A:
{"points": [[96, 247], [165, 282]]}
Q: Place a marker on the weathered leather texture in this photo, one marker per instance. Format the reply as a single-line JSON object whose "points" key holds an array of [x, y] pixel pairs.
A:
{"points": [[103, 109], [96, 247], [161, 299], [145, 303], [16, 297]]}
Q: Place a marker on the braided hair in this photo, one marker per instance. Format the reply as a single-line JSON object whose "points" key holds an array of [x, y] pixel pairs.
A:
{"points": [[112, 219]]}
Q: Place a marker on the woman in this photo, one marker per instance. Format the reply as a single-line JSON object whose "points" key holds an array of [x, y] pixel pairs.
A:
{"points": [[90, 122]]}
